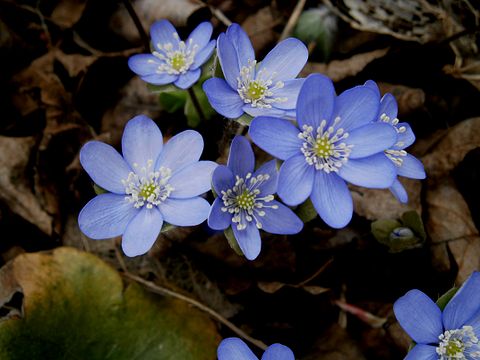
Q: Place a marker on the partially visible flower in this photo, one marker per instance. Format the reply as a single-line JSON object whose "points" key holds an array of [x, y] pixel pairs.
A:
{"points": [[448, 335], [172, 60], [235, 349], [150, 184], [407, 165], [268, 88], [335, 142], [246, 202]]}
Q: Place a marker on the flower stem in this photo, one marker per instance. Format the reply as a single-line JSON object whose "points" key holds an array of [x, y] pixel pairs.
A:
{"points": [[196, 104], [138, 24]]}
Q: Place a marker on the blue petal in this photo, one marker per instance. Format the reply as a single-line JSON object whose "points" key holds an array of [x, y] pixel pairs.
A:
{"points": [[419, 316], [411, 168], [142, 232], [475, 323], [388, 106], [218, 219], [141, 141], [228, 58], [372, 85], [105, 166], [295, 180], [332, 200], [159, 79], [259, 111], [242, 44], [284, 61], [185, 212], [268, 187], [371, 139], [249, 240], [281, 220], [399, 191], [192, 180], [188, 78], [422, 352], [106, 216], [144, 64], [315, 101], [405, 138], [223, 99], [276, 136], [222, 179], [162, 32], [356, 107], [290, 91], [376, 171], [200, 36], [241, 159], [234, 349], [464, 305], [203, 55], [181, 150], [278, 352]]}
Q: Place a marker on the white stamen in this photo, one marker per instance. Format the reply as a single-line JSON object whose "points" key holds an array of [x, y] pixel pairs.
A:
{"points": [[178, 60], [459, 344]]}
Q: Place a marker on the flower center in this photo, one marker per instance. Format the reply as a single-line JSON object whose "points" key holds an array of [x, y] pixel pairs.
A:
{"points": [[175, 61], [324, 147], [244, 203], [147, 187], [459, 344], [258, 89]]}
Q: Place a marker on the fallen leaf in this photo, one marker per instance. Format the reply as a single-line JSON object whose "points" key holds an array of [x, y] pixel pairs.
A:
{"points": [[68, 12], [259, 27], [270, 287]]}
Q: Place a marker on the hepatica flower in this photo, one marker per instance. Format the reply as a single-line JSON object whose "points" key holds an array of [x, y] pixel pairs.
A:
{"points": [[448, 335], [236, 349], [268, 88], [335, 142], [406, 165], [246, 202], [172, 60], [151, 184]]}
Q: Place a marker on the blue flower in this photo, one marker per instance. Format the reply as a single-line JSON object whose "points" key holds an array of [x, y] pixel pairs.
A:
{"points": [[235, 349], [172, 60], [448, 335], [150, 184], [245, 200], [269, 88], [335, 141]]}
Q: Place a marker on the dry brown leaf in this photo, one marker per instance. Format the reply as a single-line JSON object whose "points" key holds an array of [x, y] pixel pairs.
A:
{"points": [[270, 287], [340, 69], [408, 99], [259, 27], [315, 290], [452, 148], [68, 12]]}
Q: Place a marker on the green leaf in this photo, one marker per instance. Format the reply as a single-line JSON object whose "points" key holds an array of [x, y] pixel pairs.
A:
{"points": [[77, 307], [172, 101], [306, 212], [99, 190], [412, 220], [232, 241], [193, 118], [445, 298]]}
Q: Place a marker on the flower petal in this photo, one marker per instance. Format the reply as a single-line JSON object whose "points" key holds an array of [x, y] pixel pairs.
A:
{"points": [[372, 85], [278, 352], [242, 44], [106, 216], [259, 111], [105, 166], [200, 36], [249, 240], [188, 78], [144, 64], [228, 58], [419, 316], [285, 60], [332, 200], [290, 92], [223, 99], [388, 106], [185, 212], [376, 171], [141, 141], [422, 352], [295, 180], [241, 159], [411, 168], [356, 107], [276, 136], [371, 139], [234, 349], [181, 150], [315, 101], [142, 232], [464, 305], [281, 220], [404, 138], [159, 79], [203, 55], [218, 219], [269, 186], [399, 191], [222, 179], [162, 32], [192, 180]]}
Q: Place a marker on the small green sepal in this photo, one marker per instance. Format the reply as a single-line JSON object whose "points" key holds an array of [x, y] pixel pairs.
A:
{"points": [[232, 241]]}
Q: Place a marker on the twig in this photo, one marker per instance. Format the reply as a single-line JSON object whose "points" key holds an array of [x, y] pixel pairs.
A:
{"points": [[138, 24], [318, 272], [196, 104], [220, 16], [293, 20], [166, 292]]}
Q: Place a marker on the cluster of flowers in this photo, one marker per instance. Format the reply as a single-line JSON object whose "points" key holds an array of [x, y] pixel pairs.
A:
{"points": [[323, 141]]}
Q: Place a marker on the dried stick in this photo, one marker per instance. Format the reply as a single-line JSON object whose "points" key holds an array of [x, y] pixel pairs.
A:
{"points": [[287, 30]]}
